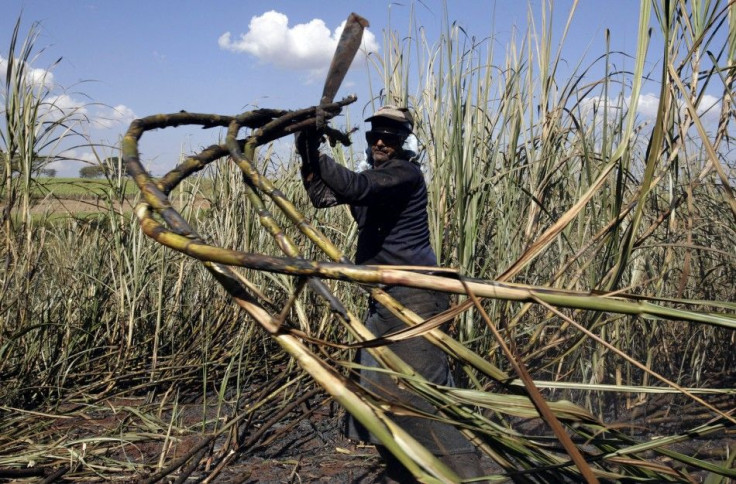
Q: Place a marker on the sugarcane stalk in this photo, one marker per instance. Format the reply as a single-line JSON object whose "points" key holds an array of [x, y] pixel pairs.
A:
{"points": [[380, 275], [271, 124]]}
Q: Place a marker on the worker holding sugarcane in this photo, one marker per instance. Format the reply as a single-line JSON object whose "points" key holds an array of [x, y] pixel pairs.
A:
{"points": [[389, 203]]}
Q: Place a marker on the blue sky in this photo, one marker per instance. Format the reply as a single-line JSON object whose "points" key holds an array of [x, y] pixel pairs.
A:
{"points": [[128, 59]]}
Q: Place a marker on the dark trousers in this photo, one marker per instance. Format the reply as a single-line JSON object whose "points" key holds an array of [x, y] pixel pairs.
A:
{"points": [[427, 359]]}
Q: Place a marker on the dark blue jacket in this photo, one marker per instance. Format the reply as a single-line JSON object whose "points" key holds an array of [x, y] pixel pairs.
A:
{"points": [[388, 202]]}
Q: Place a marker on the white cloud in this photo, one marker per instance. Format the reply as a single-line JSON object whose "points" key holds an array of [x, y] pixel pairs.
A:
{"points": [[308, 46], [3, 67], [41, 76], [111, 117], [709, 108], [65, 102], [647, 105], [77, 155], [61, 106], [35, 76], [596, 104]]}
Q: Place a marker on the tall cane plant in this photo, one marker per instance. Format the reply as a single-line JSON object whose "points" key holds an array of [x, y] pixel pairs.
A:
{"points": [[589, 249]]}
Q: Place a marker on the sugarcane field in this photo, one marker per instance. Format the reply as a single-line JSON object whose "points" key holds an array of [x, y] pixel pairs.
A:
{"points": [[432, 242]]}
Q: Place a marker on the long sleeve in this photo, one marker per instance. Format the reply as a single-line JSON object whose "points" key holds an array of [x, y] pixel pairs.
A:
{"points": [[384, 185], [388, 202], [321, 196], [329, 183]]}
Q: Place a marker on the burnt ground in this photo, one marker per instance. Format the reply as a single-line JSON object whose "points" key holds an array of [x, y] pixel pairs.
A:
{"points": [[309, 449], [293, 444], [304, 446]]}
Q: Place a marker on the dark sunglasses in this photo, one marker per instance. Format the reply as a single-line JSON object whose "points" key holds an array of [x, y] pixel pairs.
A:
{"points": [[372, 138]]}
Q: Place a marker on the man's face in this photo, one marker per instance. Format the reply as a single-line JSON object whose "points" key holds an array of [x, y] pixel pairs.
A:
{"points": [[384, 146]]}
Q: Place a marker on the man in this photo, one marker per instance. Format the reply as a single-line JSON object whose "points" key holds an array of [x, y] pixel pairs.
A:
{"points": [[389, 204]]}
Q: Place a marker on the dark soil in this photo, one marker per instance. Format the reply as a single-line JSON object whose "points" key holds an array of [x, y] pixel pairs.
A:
{"points": [[295, 441], [310, 450], [305, 446]]}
